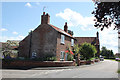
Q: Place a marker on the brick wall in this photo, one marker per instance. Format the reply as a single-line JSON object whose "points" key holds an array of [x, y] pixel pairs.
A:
{"points": [[62, 47], [42, 42], [30, 64]]}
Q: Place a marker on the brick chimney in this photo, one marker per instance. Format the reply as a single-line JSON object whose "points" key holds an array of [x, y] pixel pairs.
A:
{"points": [[65, 27], [45, 18]]}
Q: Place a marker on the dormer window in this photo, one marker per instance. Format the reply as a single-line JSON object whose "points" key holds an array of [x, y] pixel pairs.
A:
{"points": [[72, 42], [63, 39]]}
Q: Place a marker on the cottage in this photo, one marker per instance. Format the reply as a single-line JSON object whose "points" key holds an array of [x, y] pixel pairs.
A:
{"points": [[46, 40]]}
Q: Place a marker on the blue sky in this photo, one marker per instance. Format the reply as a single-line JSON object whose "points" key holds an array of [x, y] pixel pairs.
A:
{"points": [[18, 18]]}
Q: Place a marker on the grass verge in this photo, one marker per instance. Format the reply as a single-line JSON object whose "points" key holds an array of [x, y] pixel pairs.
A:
{"points": [[118, 71], [111, 59]]}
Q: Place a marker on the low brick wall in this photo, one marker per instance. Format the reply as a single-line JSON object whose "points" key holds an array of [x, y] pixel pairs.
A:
{"points": [[31, 64], [83, 62]]}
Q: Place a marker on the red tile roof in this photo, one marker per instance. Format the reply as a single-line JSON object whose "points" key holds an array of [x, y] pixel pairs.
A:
{"points": [[61, 31], [81, 40]]}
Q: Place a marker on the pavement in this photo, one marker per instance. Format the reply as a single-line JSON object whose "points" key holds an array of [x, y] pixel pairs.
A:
{"points": [[103, 69]]}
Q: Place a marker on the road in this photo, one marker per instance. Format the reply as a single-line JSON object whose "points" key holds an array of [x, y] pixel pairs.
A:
{"points": [[104, 69]]}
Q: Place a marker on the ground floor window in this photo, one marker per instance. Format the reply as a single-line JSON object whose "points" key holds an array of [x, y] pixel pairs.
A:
{"points": [[66, 56], [34, 54], [62, 55]]}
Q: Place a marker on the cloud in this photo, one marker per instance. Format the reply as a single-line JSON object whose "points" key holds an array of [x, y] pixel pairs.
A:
{"points": [[37, 3], [76, 19], [28, 5], [3, 29], [109, 38], [15, 33], [32, 29], [5, 38]]}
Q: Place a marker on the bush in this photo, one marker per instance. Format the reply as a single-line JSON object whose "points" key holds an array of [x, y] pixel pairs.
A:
{"points": [[51, 59], [87, 50], [70, 57]]}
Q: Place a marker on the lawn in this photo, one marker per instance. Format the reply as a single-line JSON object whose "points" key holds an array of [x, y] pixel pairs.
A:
{"points": [[111, 59], [118, 71]]}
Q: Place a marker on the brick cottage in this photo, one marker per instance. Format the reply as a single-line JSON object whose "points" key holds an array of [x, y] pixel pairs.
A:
{"points": [[49, 40]]}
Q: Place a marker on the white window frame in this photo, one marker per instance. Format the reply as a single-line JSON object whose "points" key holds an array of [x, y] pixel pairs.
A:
{"points": [[62, 39], [34, 54], [62, 55], [72, 42]]}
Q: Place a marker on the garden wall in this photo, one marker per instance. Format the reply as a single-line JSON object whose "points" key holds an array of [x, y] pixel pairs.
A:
{"points": [[32, 64]]}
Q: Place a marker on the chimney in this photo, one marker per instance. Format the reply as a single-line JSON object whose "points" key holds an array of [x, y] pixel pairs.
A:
{"points": [[45, 18], [97, 35], [65, 27]]}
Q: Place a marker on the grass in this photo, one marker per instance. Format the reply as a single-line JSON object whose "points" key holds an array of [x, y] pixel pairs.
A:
{"points": [[118, 71], [111, 59]]}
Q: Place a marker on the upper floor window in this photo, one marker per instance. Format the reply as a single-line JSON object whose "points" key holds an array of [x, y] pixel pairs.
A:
{"points": [[72, 42], [63, 39]]}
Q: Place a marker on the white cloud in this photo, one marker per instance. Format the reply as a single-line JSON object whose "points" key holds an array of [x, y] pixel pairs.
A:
{"points": [[5, 38], [3, 29], [31, 29], [109, 38], [28, 5], [15, 33], [76, 19], [38, 3]]}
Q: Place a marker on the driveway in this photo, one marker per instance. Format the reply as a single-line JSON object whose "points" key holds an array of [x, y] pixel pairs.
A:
{"points": [[104, 69]]}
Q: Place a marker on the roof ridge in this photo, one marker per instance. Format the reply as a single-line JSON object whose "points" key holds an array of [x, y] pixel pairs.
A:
{"points": [[84, 37], [62, 31]]}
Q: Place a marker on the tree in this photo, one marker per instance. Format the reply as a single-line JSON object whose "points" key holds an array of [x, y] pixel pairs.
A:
{"points": [[76, 49], [107, 13], [103, 51], [70, 32], [87, 50], [107, 53], [7, 48], [77, 53]]}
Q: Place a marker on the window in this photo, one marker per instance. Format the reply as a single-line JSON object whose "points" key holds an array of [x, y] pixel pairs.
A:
{"points": [[62, 55], [72, 42], [34, 54], [62, 39], [66, 56]]}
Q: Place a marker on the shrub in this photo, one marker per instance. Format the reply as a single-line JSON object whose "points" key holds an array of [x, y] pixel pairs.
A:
{"points": [[70, 57], [51, 59], [87, 50]]}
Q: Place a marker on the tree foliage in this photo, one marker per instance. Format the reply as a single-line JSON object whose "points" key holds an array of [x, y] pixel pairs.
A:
{"points": [[87, 50], [70, 32], [107, 13], [7, 48], [76, 49], [107, 53]]}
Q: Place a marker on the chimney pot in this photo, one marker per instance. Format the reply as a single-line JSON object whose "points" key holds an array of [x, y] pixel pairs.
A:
{"points": [[65, 27], [43, 13]]}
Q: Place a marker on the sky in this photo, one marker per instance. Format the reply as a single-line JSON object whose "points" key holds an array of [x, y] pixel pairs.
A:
{"points": [[18, 18]]}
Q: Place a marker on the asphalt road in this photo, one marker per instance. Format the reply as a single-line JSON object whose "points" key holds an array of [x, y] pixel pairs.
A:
{"points": [[104, 69]]}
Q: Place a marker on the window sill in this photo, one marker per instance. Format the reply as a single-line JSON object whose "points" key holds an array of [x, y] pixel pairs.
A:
{"points": [[62, 43], [61, 59]]}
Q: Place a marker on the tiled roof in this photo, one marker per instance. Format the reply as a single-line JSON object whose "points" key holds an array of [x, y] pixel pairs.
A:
{"points": [[81, 40], [61, 31]]}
